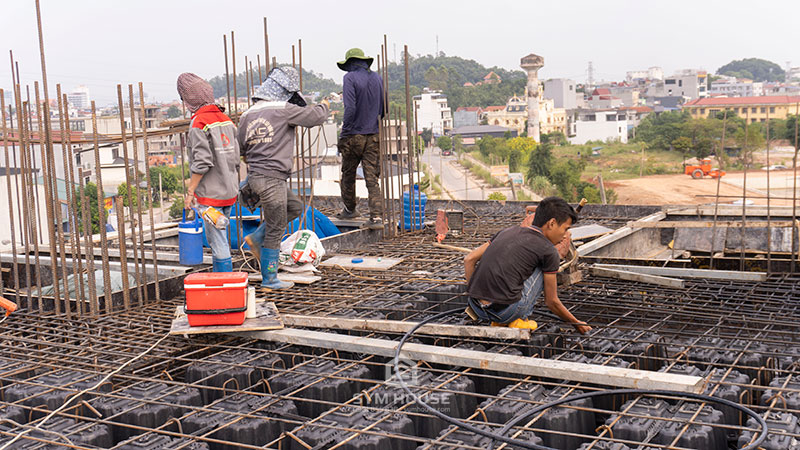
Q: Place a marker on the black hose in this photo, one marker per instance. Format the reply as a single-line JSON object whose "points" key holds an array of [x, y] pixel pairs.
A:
{"points": [[525, 444]]}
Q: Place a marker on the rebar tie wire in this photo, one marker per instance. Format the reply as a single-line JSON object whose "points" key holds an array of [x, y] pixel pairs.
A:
{"points": [[499, 436]]}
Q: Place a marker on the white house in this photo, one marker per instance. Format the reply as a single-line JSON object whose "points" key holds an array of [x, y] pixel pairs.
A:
{"points": [[432, 112], [602, 125]]}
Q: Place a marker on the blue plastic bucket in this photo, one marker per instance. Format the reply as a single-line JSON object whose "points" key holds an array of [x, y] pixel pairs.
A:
{"points": [[190, 241]]}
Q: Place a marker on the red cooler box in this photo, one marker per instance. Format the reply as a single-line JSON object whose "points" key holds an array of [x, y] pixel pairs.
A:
{"points": [[216, 298]]}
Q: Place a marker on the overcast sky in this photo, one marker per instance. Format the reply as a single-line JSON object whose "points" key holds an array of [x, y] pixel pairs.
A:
{"points": [[100, 43]]}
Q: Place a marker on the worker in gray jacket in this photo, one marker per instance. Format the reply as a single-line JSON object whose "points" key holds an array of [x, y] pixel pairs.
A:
{"points": [[266, 134]]}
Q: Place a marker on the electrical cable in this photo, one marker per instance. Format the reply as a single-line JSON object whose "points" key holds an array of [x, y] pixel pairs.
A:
{"points": [[525, 444]]}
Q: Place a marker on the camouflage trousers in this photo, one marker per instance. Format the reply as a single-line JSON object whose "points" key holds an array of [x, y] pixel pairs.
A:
{"points": [[361, 149]]}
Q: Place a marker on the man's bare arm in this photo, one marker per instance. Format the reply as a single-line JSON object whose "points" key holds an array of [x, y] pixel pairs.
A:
{"points": [[553, 303], [471, 260]]}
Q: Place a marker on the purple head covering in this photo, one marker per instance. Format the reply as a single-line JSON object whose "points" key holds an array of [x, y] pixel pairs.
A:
{"points": [[194, 91]]}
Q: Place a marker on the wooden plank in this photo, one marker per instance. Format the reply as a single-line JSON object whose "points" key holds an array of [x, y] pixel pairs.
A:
{"points": [[627, 230], [731, 210], [267, 318], [538, 367], [452, 247], [690, 273], [295, 278], [710, 224], [589, 231], [396, 326], [163, 270], [640, 277], [369, 263]]}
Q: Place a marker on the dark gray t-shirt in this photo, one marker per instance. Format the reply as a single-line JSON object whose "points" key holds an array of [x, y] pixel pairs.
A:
{"points": [[512, 256]]}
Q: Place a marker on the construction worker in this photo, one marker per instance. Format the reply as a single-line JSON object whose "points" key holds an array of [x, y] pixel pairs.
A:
{"points": [[506, 275], [213, 162], [359, 142], [266, 133]]}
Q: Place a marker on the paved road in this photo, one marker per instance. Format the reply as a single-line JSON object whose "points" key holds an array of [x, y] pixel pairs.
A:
{"points": [[451, 177]]}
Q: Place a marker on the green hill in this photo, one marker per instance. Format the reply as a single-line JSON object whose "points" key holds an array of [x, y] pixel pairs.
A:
{"points": [[312, 82], [753, 68]]}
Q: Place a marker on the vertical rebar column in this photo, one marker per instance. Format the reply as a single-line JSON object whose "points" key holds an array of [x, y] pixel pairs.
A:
{"points": [[266, 51], [69, 170], [795, 228], [25, 226], [302, 137], [32, 165], [141, 282], [121, 232], [769, 215], [33, 203], [94, 304], [123, 254], [150, 193], [400, 163], [247, 81], [49, 199], [235, 91], [10, 197], [394, 221], [258, 62], [227, 74], [413, 201], [101, 213], [382, 160], [57, 206], [744, 190], [15, 101], [720, 151]]}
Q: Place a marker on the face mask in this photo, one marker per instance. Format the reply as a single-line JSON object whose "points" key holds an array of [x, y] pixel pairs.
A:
{"points": [[297, 99]]}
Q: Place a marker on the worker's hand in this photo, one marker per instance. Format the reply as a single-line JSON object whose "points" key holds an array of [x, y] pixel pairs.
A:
{"points": [[582, 327], [188, 201], [326, 103], [563, 246], [530, 214]]}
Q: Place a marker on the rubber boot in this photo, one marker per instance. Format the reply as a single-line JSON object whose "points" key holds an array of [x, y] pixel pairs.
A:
{"points": [[269, 270], [222, 265], [255, 239], [525, 324]]}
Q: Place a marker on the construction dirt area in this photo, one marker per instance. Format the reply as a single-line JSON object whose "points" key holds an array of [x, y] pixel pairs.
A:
{"points": [[684, 190]]}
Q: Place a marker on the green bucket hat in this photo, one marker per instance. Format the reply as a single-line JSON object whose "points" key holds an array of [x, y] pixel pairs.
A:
{"points": [[356, 53]]}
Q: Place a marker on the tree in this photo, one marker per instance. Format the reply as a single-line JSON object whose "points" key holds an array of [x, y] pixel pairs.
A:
{"points": [[682, 144], [749, 142], [498, 196], [658, 131], [566, 176], [90, 190], [444, 143], [753, 68], [176, 209], [556, 138], [173, 112], [122, 191], [170, 178], [458, 147], [540, 161], [427, 136]]}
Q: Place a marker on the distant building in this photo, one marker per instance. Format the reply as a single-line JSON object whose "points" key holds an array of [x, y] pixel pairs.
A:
{"points": [[793, 74], [79, 98], [635, 114], [598, 125], [515, 114], [686, 83], [737, 88], [601, 98], [562, 91], [471, 134], [756, 109], [652, 73], [466, 116], [432, 112]]}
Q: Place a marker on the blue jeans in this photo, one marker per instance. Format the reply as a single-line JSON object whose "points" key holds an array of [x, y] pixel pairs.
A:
{"points": [[531, 290], [218, 239]]}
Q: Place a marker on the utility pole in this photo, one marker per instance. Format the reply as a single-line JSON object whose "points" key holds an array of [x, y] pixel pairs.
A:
{"points": [[641, 166], [466, 185], [160, 200]]}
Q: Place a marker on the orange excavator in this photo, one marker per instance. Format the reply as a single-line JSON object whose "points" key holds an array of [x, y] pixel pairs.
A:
{"points": [[698, 171]]}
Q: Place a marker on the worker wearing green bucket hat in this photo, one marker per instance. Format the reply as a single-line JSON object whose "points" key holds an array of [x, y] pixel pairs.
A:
{"points": [[362, 95]]}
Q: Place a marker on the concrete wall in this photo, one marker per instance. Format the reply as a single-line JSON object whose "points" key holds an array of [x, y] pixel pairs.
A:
{"points": [[599, 130]]}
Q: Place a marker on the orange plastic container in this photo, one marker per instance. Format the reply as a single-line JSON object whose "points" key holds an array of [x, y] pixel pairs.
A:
{"points": [[216, 298]]}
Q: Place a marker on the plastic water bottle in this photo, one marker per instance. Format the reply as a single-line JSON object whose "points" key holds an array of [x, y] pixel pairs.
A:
{"points": [[214, 217]]}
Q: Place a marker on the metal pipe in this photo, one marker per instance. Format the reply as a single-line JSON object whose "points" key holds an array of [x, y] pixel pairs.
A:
{"points": [[137, 271], [150, 195], [141, 282], [101, 213]]}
